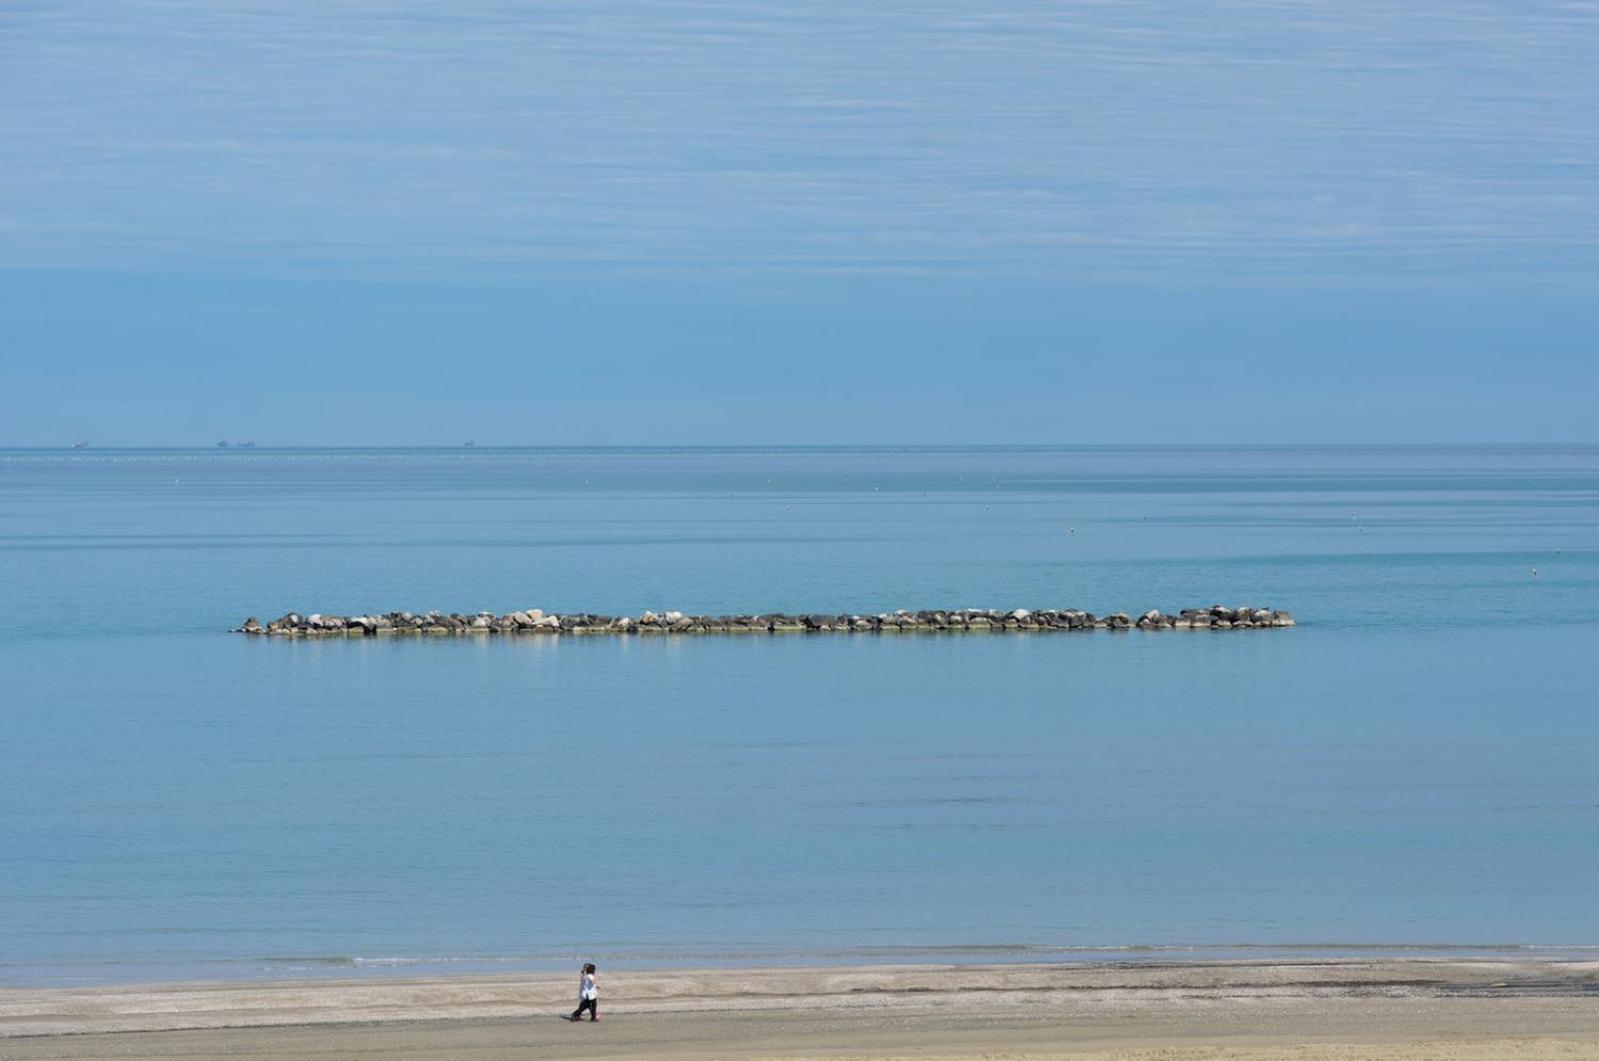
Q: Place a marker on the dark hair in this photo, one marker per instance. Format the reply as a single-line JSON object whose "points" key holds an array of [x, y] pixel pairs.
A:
{"points": [[589, 968]]}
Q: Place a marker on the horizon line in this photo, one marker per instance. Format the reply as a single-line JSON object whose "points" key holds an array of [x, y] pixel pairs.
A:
{"points": [[476, 447]]}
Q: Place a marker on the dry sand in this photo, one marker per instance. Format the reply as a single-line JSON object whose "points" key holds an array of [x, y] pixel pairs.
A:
{"points": [[1237, 1011]]}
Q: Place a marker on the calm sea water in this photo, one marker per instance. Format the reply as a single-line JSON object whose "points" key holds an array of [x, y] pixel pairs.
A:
{"points": [[1414, 766]]}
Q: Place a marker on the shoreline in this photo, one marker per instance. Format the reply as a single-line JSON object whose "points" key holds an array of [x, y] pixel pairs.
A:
{"points": [[319, 969], [906, 1010]]}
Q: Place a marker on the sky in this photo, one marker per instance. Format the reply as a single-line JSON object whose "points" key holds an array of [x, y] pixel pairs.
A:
{"points": [[821, 222]]}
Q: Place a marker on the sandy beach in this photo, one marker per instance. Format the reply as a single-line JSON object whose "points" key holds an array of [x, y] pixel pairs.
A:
{"points": [[1238, 1011]]}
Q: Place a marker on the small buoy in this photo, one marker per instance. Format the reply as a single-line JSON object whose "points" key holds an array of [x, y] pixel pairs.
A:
{"points": [[1535, 572]]}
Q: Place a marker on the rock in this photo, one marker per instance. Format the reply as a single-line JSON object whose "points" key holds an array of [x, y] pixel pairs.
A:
{"points": [[901, 620]]}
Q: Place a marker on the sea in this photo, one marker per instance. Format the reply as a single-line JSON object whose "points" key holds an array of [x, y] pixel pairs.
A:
{"points": [[1413, 769]]}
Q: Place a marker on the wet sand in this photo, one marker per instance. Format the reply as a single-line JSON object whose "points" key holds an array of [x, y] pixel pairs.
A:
{"points": [[1237, 1011]]}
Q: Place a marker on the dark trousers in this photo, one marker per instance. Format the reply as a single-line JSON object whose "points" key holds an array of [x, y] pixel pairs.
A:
{"points": [[590, 1004]]}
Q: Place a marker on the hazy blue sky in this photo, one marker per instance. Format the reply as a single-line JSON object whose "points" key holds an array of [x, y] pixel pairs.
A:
{"points": [[713, 220]]}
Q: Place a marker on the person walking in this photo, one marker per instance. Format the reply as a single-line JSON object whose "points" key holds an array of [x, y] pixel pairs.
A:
{"points": [[588, 994]]}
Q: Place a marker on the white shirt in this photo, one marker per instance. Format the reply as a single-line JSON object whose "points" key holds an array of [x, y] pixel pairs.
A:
{"points": [[590, 989]]}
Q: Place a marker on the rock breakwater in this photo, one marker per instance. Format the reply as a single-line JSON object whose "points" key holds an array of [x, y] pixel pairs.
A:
{"points": [[535, 622]]}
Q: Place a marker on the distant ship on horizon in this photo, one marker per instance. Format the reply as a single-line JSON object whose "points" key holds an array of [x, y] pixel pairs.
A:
{"points": [[80, 445]]}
